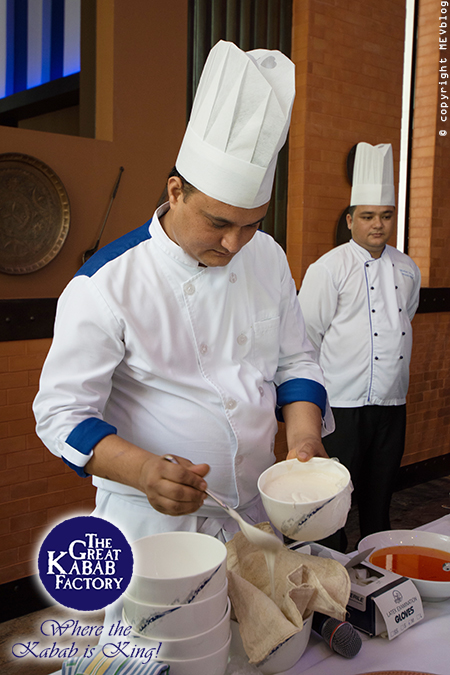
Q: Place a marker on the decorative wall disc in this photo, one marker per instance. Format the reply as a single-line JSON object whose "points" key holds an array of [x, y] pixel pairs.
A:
{"points": [[34, 214]]}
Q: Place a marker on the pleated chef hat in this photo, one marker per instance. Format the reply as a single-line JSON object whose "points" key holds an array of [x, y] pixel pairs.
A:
{"points": [[239, 122], [373, 176]]}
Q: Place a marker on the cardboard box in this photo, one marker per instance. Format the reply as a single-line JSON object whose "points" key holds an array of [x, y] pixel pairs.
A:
{"points": [[380, 601], [364, 613]]}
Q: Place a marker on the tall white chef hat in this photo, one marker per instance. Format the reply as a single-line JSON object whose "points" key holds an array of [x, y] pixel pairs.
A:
{"points": [[373, 176], [239, 122]]}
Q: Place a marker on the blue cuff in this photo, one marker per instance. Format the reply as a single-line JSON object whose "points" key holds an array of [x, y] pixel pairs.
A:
{"points": [[78, 469], [300, 389], [85, 437]]}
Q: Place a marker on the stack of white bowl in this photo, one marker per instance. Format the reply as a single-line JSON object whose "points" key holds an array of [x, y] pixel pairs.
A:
{"points": [[177, 601]]}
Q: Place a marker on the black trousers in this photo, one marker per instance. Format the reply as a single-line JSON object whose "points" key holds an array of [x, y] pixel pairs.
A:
{"points": [[370, 442]]}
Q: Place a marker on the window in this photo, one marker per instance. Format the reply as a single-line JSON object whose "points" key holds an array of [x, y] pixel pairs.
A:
{"points": [[42, 46]]}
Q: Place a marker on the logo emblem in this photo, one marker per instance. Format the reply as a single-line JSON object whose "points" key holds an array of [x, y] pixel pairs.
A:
{"points": [[398, 597], [85, 563]]}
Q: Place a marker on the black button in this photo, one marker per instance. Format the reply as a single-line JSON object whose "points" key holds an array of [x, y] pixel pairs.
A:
{"points": [[376, 334], [396, 288], [373, 311], [376, 358], [399, 309], [401, 357], [367, 264], [372, 288], [403, 332]]}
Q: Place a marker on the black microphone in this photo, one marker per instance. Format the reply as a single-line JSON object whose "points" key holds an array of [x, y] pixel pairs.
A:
{"points": [[339, 635]]}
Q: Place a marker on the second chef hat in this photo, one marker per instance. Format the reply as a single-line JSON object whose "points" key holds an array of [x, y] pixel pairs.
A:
{"points": [[373, 176]]}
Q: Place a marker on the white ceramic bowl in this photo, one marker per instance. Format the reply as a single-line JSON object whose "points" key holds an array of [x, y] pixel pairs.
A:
{"points": [[176, 568], [175, 621], [429, 590], [282, 658], [212, 664], [193, 647], [308, 520]]}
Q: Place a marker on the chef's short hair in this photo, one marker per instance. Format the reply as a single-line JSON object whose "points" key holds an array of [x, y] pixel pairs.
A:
{"points": [[186, 187]]}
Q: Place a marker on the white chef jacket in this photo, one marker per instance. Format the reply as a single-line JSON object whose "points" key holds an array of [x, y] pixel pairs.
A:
{"points": [[358, 313], [178, 358]]}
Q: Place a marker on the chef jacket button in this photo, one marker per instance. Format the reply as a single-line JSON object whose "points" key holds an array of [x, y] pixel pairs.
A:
{"points": [[400, 357], [396, 288], [232, 278], [376, 358], [403, 332], [372, 288], [373, 311], [203, 348], [367, 264], [242, 339], [230, 404], [261, 390], [189, 289], [399, 309], [376, 334]]}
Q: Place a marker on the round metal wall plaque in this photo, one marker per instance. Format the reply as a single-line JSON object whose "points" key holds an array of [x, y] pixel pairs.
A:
{"points": [[34, 214]]}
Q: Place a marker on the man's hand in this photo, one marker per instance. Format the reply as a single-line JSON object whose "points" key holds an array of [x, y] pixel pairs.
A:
{"points": [[303, 430], [173, 489], [307, 448]]}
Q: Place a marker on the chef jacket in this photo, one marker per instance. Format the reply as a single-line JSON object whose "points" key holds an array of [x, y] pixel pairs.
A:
{"points": [[358, 313], [178, 358]]}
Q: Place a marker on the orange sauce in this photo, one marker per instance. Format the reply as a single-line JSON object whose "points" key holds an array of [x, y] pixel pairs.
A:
{"points": [[416, 562]]}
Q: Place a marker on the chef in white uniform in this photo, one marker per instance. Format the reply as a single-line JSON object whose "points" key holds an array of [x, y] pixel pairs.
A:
{"points": [[185, 336], [358, 301]]}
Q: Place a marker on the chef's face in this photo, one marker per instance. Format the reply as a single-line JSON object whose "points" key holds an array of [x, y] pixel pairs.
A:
{"points": [[371, 227], [210, 231]]}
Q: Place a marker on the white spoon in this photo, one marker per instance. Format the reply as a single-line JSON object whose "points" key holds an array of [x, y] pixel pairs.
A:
{"points": [[263, 540]]}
